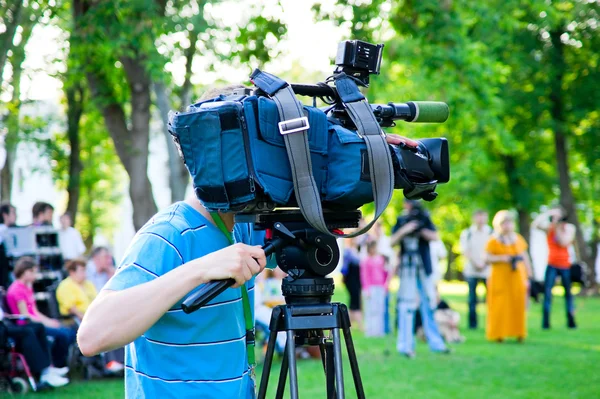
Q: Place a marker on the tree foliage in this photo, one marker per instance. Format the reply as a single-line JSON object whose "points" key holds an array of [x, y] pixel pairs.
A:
{"points": [[496, 65]]}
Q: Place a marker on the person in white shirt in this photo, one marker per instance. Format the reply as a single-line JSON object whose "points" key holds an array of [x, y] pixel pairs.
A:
{"points": [[69, 239], [438, 253], [473, 241]]}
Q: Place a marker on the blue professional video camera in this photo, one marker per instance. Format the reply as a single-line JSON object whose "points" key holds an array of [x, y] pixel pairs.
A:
{"points": [[259, 149]]}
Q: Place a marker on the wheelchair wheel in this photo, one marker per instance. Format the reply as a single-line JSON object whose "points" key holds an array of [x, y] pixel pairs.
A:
{"points": [[18, 385]]}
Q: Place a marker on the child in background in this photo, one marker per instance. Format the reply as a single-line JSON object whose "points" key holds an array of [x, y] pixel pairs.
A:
{"points": [[373, 278]]}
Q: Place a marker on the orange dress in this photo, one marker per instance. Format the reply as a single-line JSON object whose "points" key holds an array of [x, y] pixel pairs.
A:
{"points": [[506, 292]]}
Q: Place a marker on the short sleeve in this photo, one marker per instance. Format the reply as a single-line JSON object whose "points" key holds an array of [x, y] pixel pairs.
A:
{"points": [[429, 224], [18, 295], [66, 298], [491, 246], [150, 255]]}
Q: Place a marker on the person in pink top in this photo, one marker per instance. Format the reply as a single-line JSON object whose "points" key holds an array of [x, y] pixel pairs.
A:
{"points": [[20, 300], [373, 278]]}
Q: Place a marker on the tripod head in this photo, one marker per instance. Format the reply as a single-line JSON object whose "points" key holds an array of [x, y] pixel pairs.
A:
{"points": [[305, 254]]}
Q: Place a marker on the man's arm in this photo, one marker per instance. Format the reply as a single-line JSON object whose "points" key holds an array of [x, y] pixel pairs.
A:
{"points": [[428, 232], [429, 235], [116, 318], [403, 232]]}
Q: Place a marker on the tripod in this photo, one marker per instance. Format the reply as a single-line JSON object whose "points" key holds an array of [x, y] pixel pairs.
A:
{"points": [[307, 256], [305, 324]]}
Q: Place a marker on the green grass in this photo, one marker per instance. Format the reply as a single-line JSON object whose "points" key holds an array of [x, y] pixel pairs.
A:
{"points": [[551, 364]]}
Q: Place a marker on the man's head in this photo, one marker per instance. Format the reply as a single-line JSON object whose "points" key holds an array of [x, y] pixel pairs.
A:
{"points": [[102, 258], [8, 214], [42, 213], [76, 270], [25, 270], [66, 220], [480, 218], [409, 205]]}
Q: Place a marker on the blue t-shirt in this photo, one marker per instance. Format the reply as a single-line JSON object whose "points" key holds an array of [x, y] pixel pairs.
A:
{"points": [[198, 355]]}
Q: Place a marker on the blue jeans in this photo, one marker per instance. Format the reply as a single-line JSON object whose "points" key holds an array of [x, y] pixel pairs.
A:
{"points": [[406, 322], [386, 315], [565, 278], [63, 338], [473, 281]]}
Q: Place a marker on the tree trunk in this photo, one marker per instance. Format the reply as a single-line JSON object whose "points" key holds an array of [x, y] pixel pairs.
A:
{"points": [[131, 144], [451, 262], [514, 186], [567, 199], [75, 103], [7, 176], [7, 37], [178, 174], [524, 223], [140, 189], [13, 120]]}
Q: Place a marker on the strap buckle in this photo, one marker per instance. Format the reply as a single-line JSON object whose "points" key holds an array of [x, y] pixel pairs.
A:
{"points": [[250, 337], [293, 125]]}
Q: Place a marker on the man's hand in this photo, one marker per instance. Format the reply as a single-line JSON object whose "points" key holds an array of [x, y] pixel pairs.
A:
{"points": [[397, 140], [239, 262], [409, 227]]}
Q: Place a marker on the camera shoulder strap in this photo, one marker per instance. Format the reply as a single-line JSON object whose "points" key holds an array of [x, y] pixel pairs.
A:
{"points": [[378, 151], [248, 320], [293, 126]]}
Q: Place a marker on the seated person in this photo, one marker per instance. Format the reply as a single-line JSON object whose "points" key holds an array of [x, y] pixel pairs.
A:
{"points": [[448, 321], [30, 341], [100, 267], [20, 300], [74, 295]]}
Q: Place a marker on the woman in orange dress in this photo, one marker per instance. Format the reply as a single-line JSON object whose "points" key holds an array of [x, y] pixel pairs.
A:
{"points": [[508, 282]]}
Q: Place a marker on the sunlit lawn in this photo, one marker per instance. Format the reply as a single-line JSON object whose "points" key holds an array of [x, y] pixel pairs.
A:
{"points": [[550, 364]]}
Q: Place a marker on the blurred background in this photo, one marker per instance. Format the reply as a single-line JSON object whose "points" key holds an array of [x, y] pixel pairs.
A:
{"points": [[86, 86]]}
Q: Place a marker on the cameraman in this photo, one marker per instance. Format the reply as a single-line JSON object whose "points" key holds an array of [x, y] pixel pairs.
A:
{"points": [[413, 231], [560, 236], [171, 354]]}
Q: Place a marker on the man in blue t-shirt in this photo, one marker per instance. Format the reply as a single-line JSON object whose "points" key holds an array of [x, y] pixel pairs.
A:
{"points": [[171, 354]]}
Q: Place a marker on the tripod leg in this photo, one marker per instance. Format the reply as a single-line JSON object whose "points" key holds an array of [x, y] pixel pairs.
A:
{"points": [[282, 376], [337, 354], [360, 392], [329, 370], [264, 380], [290, 349]]}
